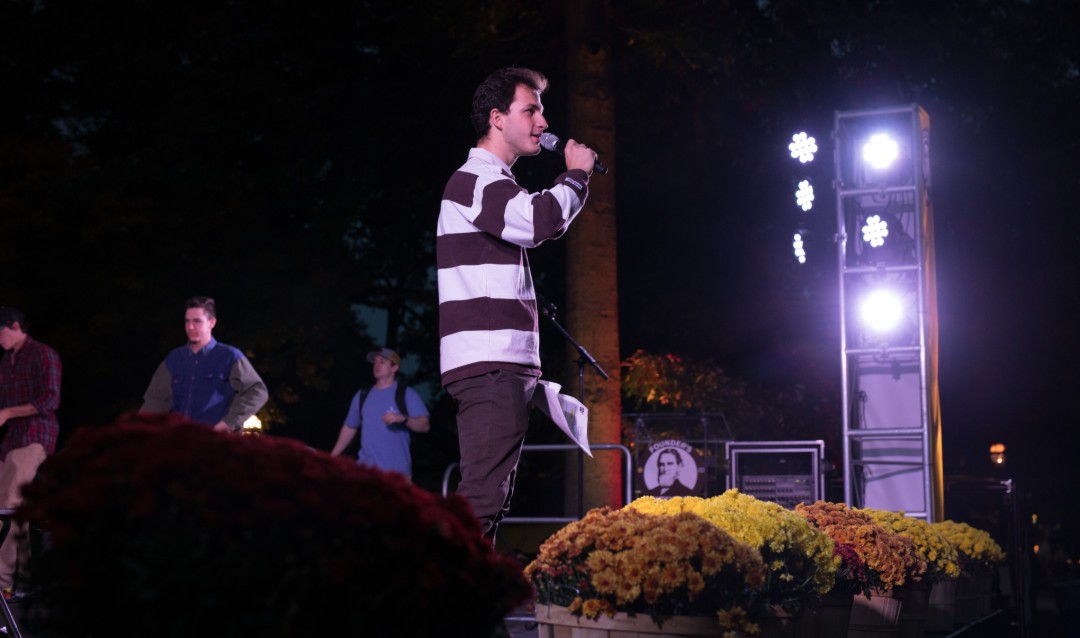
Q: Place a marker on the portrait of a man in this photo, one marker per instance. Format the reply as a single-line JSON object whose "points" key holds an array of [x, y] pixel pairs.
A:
{"points": [[669, 467]]}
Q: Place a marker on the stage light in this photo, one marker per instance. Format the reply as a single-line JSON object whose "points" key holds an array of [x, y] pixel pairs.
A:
{"points": [[885, 227], [797, 245], [804, 197], [997, 454], [875, 231], [803, 147], [253, 425], [882, 311], [881, 151]]}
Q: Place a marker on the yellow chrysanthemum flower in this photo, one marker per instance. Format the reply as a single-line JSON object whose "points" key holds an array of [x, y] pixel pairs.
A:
{"points": [[798, 556], [879, 557], [975, 545], [625, 560], [939, 555]]}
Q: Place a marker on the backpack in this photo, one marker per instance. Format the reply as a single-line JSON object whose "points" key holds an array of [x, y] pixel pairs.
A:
{"points": [[353, 448]]}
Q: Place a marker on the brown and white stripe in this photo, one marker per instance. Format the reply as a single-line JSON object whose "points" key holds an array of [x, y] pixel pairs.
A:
{"points": [[487, 305]]}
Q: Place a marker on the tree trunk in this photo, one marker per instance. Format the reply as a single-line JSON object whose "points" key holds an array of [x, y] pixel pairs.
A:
{"points": [[592, 296]]}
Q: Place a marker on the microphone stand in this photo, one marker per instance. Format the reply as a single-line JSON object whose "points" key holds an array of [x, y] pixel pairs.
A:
{"points": [[584, 359]]}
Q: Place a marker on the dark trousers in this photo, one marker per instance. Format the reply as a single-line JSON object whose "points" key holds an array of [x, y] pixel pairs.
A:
{"points": [[493, 416]]}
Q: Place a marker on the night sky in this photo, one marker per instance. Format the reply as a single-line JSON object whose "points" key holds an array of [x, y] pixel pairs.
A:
{"points": [[148, 152]]}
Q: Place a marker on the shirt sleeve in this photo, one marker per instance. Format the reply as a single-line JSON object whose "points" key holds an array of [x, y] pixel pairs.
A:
{"points": [[47, 383], [414, 403], [508, 211], [251, 394], [158, 396]]}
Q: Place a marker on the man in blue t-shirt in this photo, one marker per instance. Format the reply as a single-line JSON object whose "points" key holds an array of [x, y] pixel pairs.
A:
{"points": [[384, 428]]}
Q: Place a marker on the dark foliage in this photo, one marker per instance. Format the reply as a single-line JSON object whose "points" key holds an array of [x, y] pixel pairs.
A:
{"points": [[181, 531]]}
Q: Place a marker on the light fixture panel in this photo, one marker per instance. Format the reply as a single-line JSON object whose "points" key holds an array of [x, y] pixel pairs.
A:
{"points": [[878, 150]]}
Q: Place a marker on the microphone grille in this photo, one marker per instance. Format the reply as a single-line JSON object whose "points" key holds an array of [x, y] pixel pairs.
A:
{"points": [[549, 141]]}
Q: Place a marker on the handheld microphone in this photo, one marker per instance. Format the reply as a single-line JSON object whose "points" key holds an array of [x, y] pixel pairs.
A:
{"points": [[551, 142]]}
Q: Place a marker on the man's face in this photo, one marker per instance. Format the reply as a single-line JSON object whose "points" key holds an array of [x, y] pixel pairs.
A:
{"points": [[10, 336], [198, 326], [522, 125], [667, 468], [382, 368]]}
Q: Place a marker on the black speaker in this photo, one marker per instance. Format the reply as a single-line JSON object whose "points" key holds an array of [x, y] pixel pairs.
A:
{"points": [[783, 472]]}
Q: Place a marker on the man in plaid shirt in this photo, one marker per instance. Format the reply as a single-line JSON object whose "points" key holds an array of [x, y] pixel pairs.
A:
{"points": [[29, 396]]}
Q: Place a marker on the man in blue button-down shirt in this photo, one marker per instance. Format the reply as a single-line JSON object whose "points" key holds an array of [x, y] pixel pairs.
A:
{"points": [[206, 381]]}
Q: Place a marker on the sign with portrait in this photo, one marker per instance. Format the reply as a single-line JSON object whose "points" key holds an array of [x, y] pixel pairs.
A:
{"points": [[670, 469]]}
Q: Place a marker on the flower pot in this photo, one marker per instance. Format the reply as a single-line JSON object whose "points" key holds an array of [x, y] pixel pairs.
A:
{"points": [[913, 612], [972, 596], [828, 616], [986, 591], [556, 622], [824, 617], [779, 623], [941, 607], [878, 616]]}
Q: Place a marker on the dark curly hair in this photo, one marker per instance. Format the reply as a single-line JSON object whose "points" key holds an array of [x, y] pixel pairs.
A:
{"points": [[497, 92]]}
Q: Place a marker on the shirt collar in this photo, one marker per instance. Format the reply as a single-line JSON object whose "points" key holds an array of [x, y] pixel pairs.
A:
{"points": [[207, 348], [487, 156]]}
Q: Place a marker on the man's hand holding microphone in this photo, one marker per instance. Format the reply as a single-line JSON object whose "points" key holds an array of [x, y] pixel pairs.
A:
{"points": [[577, 155]]}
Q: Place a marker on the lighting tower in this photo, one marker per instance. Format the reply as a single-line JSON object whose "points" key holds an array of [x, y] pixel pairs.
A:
{"points": [[888, 312]]}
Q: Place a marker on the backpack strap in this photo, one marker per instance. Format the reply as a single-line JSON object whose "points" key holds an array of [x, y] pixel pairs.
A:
{"points": [[399, 398]]}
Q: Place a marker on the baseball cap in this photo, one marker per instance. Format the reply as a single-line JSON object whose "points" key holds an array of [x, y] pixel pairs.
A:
{"points": [[384, 352]]}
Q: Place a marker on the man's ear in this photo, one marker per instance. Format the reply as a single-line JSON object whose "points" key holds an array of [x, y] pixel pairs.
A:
{"points": [[495, 119]]}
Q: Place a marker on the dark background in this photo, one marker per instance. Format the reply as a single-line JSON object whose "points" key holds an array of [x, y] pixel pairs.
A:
{"points": [[288, 159]]}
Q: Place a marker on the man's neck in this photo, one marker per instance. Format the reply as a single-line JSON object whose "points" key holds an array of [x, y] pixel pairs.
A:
{"points": [[498, 150], [197, 345], [382, 384]]}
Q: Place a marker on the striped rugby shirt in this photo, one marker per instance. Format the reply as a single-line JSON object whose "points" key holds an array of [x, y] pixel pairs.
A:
{"points": [[487, 305]]}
